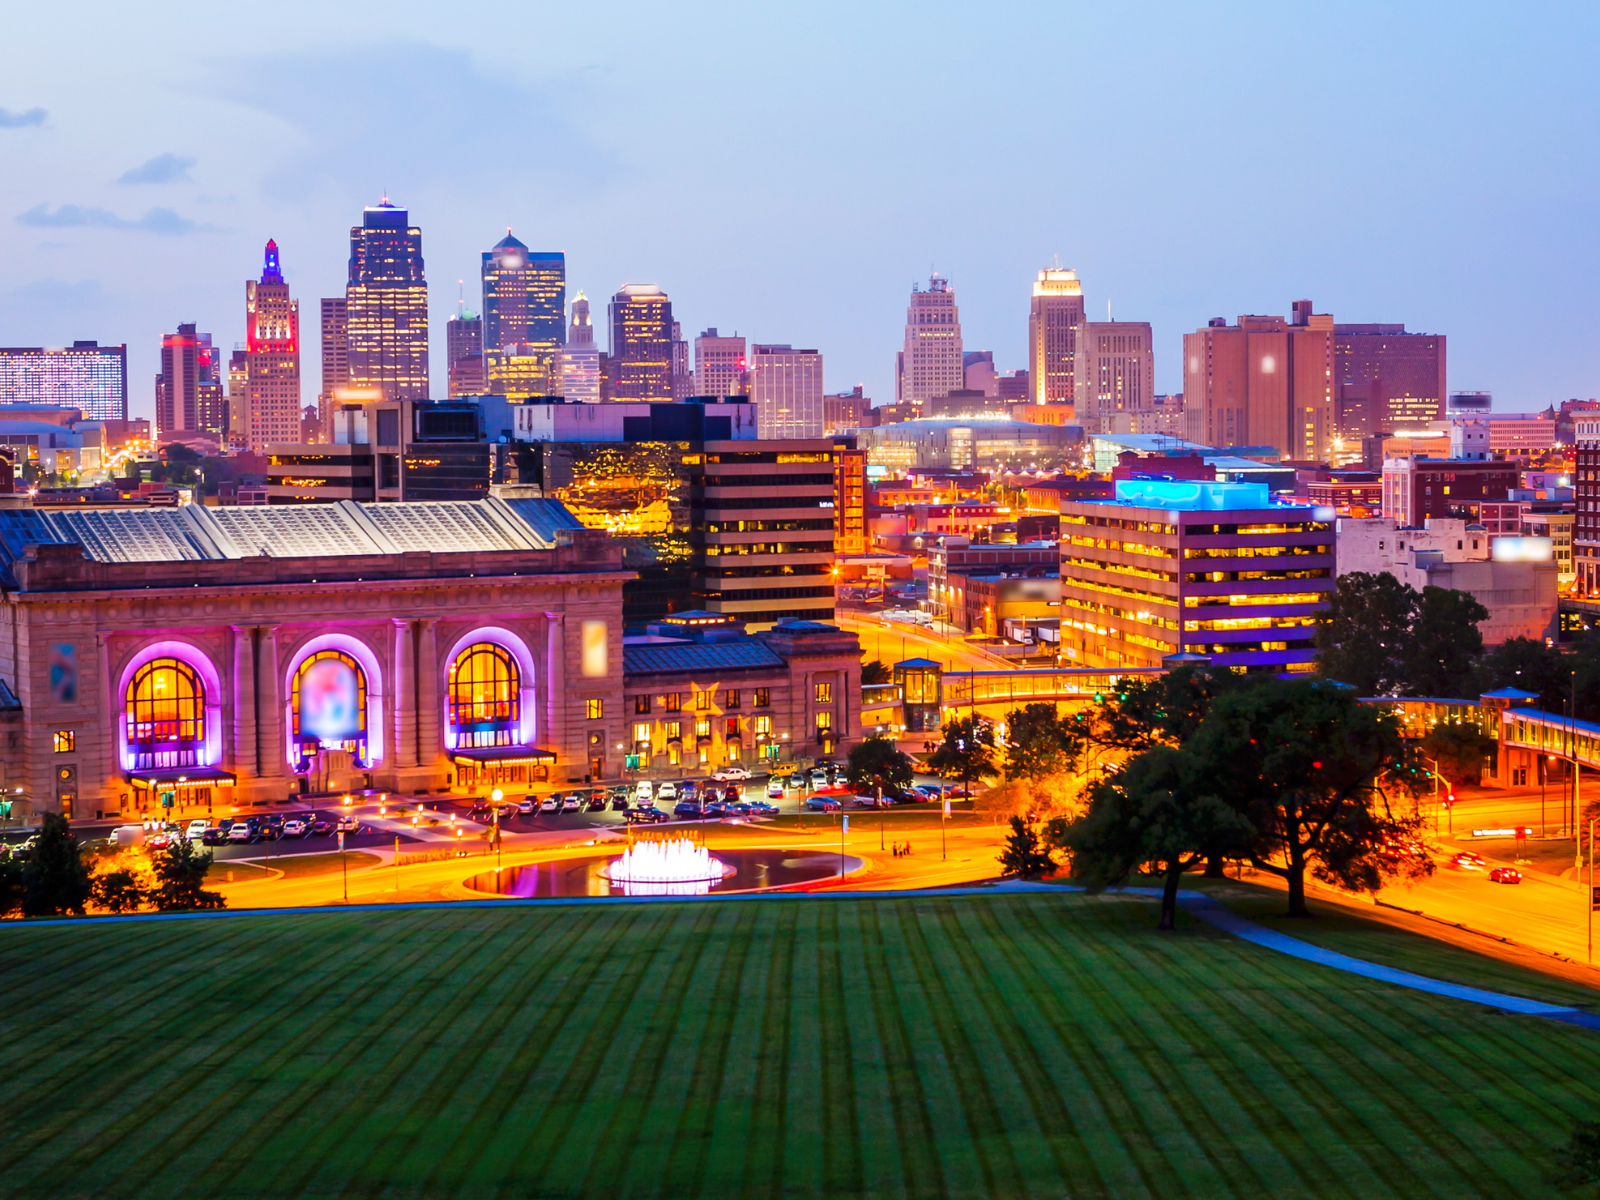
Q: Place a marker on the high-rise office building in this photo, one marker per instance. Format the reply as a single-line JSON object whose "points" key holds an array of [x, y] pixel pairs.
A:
{"points": [[719, 365], [335, 329], [1115, 365], [929, 363], [524, 296], [239, 395], [1386, 379], [272, 357], [463, 341], [1055, 325], [578, 363], [786, 387], [682, 372], [189, 390], [1262, 382], [387, 305], [640, 363], [87, 376]]}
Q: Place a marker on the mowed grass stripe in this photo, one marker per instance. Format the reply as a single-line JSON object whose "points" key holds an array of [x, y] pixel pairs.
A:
{"points": [[765, 1156]]}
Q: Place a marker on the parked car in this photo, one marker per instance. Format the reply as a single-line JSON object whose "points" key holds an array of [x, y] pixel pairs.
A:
{"points": [[212, 836], [667, 791], [761, 808], [688, 789], [550, 804], [347, 824], [480, 810], [774, 788], [782, 770], [527, 805], [620, 792], [597, 802], [643, 792], [819, 778], [295, 827], [159, 840], [572, 803], [619, 803], [688, 809], [242, 832], [731, 772], [509, 810], [271, 827], [321, 827], [927, 791], [645, 816], [872, 802], [821, 804], [732, 793], [1505, 875], [196, 829]]}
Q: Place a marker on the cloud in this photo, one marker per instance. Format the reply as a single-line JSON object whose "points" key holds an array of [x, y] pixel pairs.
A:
{"points": [[163, 168], [19, 120], [72, 216], [447, 125]]}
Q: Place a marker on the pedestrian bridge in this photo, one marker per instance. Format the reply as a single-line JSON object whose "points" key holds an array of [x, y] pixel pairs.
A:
{"points": [[966, 689]]}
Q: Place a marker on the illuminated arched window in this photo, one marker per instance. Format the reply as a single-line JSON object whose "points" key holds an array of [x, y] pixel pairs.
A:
{"points": [[166, 715], [485, 697], [328, 706]]}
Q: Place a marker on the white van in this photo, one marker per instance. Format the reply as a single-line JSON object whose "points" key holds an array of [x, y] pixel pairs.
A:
{"points": [[643, 793]]}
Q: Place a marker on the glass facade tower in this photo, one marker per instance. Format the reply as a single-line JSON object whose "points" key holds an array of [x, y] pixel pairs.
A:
{"points": [[386, 303], [641, 343], [87, 376]]}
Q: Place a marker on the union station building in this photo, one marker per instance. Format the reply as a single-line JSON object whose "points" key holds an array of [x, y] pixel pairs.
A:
{"points": [[218, 656]]}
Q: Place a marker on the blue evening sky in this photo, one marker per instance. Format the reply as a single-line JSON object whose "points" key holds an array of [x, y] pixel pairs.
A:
{"points": [[787, 170]]}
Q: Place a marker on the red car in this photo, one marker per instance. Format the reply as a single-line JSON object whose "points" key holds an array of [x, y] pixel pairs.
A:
{"points": [[1467, 861], [1505, 875]]}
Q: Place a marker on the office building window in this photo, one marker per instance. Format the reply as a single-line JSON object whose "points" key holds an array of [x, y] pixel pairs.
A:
{"points": [[764, 725], [702, 701], [731, 728], [702, 728], [596, 709]]}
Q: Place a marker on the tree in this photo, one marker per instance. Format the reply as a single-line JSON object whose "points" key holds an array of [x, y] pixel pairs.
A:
{"points": [[1362, 636], [875, 672], [1460, 749], [12, 888], [1579, 1160], [967, 751], [180, 872], [1156, 811], [117, 891], [55, 879], [1025, 856], [1532, 666], [877, 763], [1039, 743], [1161, 711], [1307, 763], [1437, 658]]}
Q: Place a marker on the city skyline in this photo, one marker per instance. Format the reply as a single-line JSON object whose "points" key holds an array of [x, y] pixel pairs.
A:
{"points": [[92, 257]]}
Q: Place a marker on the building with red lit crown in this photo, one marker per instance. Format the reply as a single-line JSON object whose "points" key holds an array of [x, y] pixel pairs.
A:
{"points": [[272, 358]]}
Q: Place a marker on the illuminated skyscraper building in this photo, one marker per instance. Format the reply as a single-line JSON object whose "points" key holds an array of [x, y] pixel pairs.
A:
{"points": [[335, 354], [719, 365], [463, 341], [929, 364], [87, 376], [387, 306], [1386, 379], [682, 373], [578, 362], [786, 387], [1115, 365], [189, 390], [524, 317], [1055, 327], [272, 357], [641, 343]]}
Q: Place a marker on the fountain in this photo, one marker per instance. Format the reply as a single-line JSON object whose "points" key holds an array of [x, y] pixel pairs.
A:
{"points": [[677, 867]]}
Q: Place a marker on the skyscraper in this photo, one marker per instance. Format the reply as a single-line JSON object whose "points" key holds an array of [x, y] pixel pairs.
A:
{"points": [[641, 343], [463, 342], [1262, 382], [1386, 379], [719, 365], [87, 376], [1115, 369], [387, 305], [929, 364], [682, 373], [578, 362], [524, 316], [335, 326], [1055, 325], [786, 387], [189, 390], [272, 357]]}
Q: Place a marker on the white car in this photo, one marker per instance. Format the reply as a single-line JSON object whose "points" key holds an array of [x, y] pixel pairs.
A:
{"points": [[643, 792], [526, 805], [347, 824], [774, 788], [573, 803], [295, 827], [667, 791], [196, 828], [819, 778], [731, 774], [550, 804]]}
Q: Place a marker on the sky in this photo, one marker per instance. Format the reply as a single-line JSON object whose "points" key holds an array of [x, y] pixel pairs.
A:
{"points": [[789, 170]]}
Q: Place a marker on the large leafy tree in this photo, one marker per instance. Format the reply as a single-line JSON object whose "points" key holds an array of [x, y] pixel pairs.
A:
{"points": [[1307, 764], [965, 752], [1361, 638], [1532, 666], [1459, 748], [1148, 711], [877, 763], [1039, 743], [876, 671], [180, 876], [55, 879], [1159, 812], [1438, 657]]}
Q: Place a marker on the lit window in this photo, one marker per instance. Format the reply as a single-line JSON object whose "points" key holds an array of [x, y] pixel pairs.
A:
{"points": [[730, 699], [596, 709], [672, 702], [674, 730], [702, 727], [165, 708], [824, 721], [65, 741], [763, 725], [702, 701], [824, 693], [763, 697], [731, 727], [641, 731], [641, 705], [674, 755], [484, 696]]}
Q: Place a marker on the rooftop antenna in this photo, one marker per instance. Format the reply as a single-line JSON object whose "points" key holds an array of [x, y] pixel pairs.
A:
{"points": [[461, 298], [1108, 310]]}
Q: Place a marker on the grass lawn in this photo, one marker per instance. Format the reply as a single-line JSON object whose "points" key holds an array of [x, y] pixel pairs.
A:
{"points": [[984, 1046]]}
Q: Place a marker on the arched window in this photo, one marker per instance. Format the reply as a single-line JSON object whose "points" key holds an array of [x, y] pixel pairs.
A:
{"points": [[485, 697], [166, 714], [328, 705]]}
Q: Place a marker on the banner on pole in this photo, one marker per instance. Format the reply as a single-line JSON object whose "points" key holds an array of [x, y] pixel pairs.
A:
{"points": [[947, 807], [341, 841], [846, 828]]}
